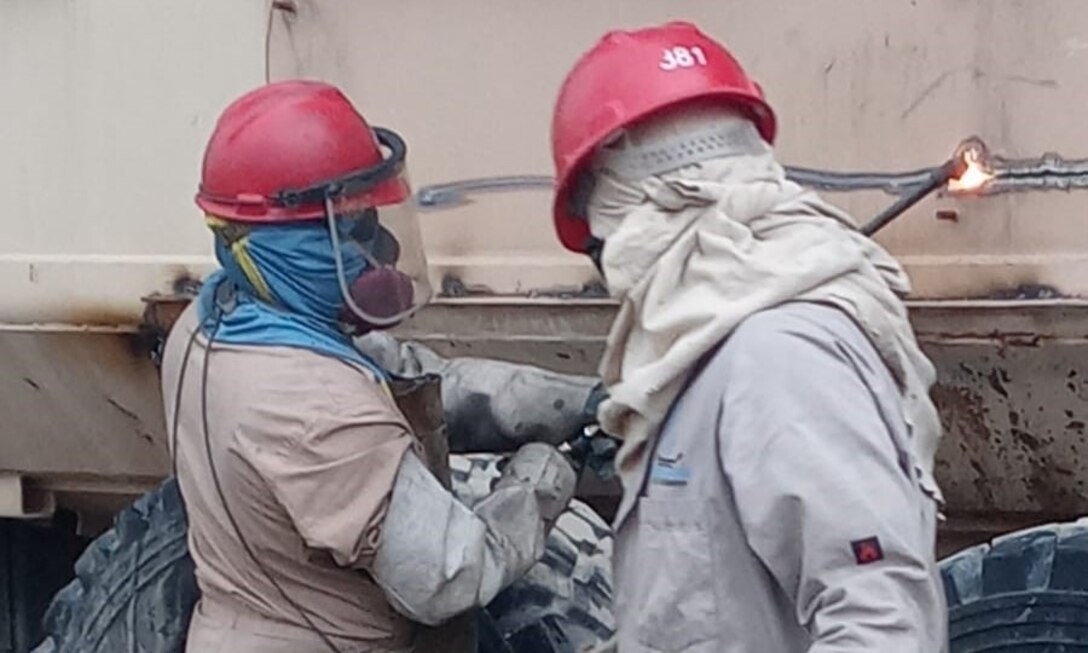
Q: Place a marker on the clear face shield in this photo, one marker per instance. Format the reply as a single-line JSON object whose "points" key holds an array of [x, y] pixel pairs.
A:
{"points": [[372, 222], [393, 283]]}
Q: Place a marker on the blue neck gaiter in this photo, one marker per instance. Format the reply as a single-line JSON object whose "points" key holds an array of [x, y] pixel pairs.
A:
{"points": [[278, 287]]}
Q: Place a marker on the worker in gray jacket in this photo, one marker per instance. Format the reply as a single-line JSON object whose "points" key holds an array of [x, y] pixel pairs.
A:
{"points": [[778, 438]]}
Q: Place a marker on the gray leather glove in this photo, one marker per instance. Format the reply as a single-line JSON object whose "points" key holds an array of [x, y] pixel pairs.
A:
{"points": [[493, 406], [541, 467]]}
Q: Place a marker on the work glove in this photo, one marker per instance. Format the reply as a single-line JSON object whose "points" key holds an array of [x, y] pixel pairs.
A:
{"points": [[541, 467], [593, 402]]}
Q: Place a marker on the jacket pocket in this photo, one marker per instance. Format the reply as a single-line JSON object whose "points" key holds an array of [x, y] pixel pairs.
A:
{"points": [[676, 606]]}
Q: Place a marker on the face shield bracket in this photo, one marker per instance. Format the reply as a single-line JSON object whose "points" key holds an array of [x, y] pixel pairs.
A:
{"points": [[352, 183]]}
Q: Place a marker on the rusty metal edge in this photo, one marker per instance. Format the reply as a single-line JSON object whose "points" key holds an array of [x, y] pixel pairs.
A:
{"points": [[968, 319]]}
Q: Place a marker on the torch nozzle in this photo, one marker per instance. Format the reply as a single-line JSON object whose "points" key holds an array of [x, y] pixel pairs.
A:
{"points": [[967, 170]]}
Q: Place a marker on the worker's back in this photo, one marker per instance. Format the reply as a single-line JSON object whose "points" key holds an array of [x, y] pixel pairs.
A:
{"points": [[727, 550]]}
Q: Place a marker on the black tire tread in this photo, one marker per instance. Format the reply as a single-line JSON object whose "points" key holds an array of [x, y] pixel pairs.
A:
{"points": [[1025, 592], [563, 604], [95, 612], [1053, 556]]}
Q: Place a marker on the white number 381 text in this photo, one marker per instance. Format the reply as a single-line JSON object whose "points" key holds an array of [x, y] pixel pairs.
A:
{"points": [[682, 57]]}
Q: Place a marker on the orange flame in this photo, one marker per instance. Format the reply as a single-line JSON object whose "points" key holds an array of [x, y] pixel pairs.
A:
{"points": [[977, 174]]}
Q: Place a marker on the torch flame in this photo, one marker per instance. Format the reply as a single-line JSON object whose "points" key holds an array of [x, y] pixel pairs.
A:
{"points": [[977, 174]]}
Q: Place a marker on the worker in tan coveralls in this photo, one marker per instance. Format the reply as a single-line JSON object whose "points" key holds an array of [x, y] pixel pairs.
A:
{"points": [[314, 523], [778, 437]]}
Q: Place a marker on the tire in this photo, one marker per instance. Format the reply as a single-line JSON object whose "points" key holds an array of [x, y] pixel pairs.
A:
{"points": [[563, 604], [1026, 592], [135, 589]]}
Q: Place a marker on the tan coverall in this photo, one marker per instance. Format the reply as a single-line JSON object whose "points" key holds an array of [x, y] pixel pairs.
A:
{"points": [[306, 448]]}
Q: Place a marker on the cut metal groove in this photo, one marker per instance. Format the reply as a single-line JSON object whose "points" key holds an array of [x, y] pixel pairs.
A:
{"points": [[1049, 172]]}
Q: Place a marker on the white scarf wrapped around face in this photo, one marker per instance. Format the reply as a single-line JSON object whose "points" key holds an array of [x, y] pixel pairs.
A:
{"points": [[692, 253]]}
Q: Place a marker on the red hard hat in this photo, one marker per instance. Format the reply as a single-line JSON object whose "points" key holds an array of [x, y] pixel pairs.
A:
{"points": [[293, 136], [627, 77]]}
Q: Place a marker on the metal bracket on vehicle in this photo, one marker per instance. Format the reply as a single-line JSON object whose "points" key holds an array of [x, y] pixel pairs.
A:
{"points": [[20, 501]]}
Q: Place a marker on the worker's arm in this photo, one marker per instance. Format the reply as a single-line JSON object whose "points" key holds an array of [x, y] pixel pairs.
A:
{"points": [[354, 487], [828, 500], [490, 405], [437, 558]]}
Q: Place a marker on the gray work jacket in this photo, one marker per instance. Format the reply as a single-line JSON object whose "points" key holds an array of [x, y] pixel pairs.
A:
{"points": [[782, 512]]}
